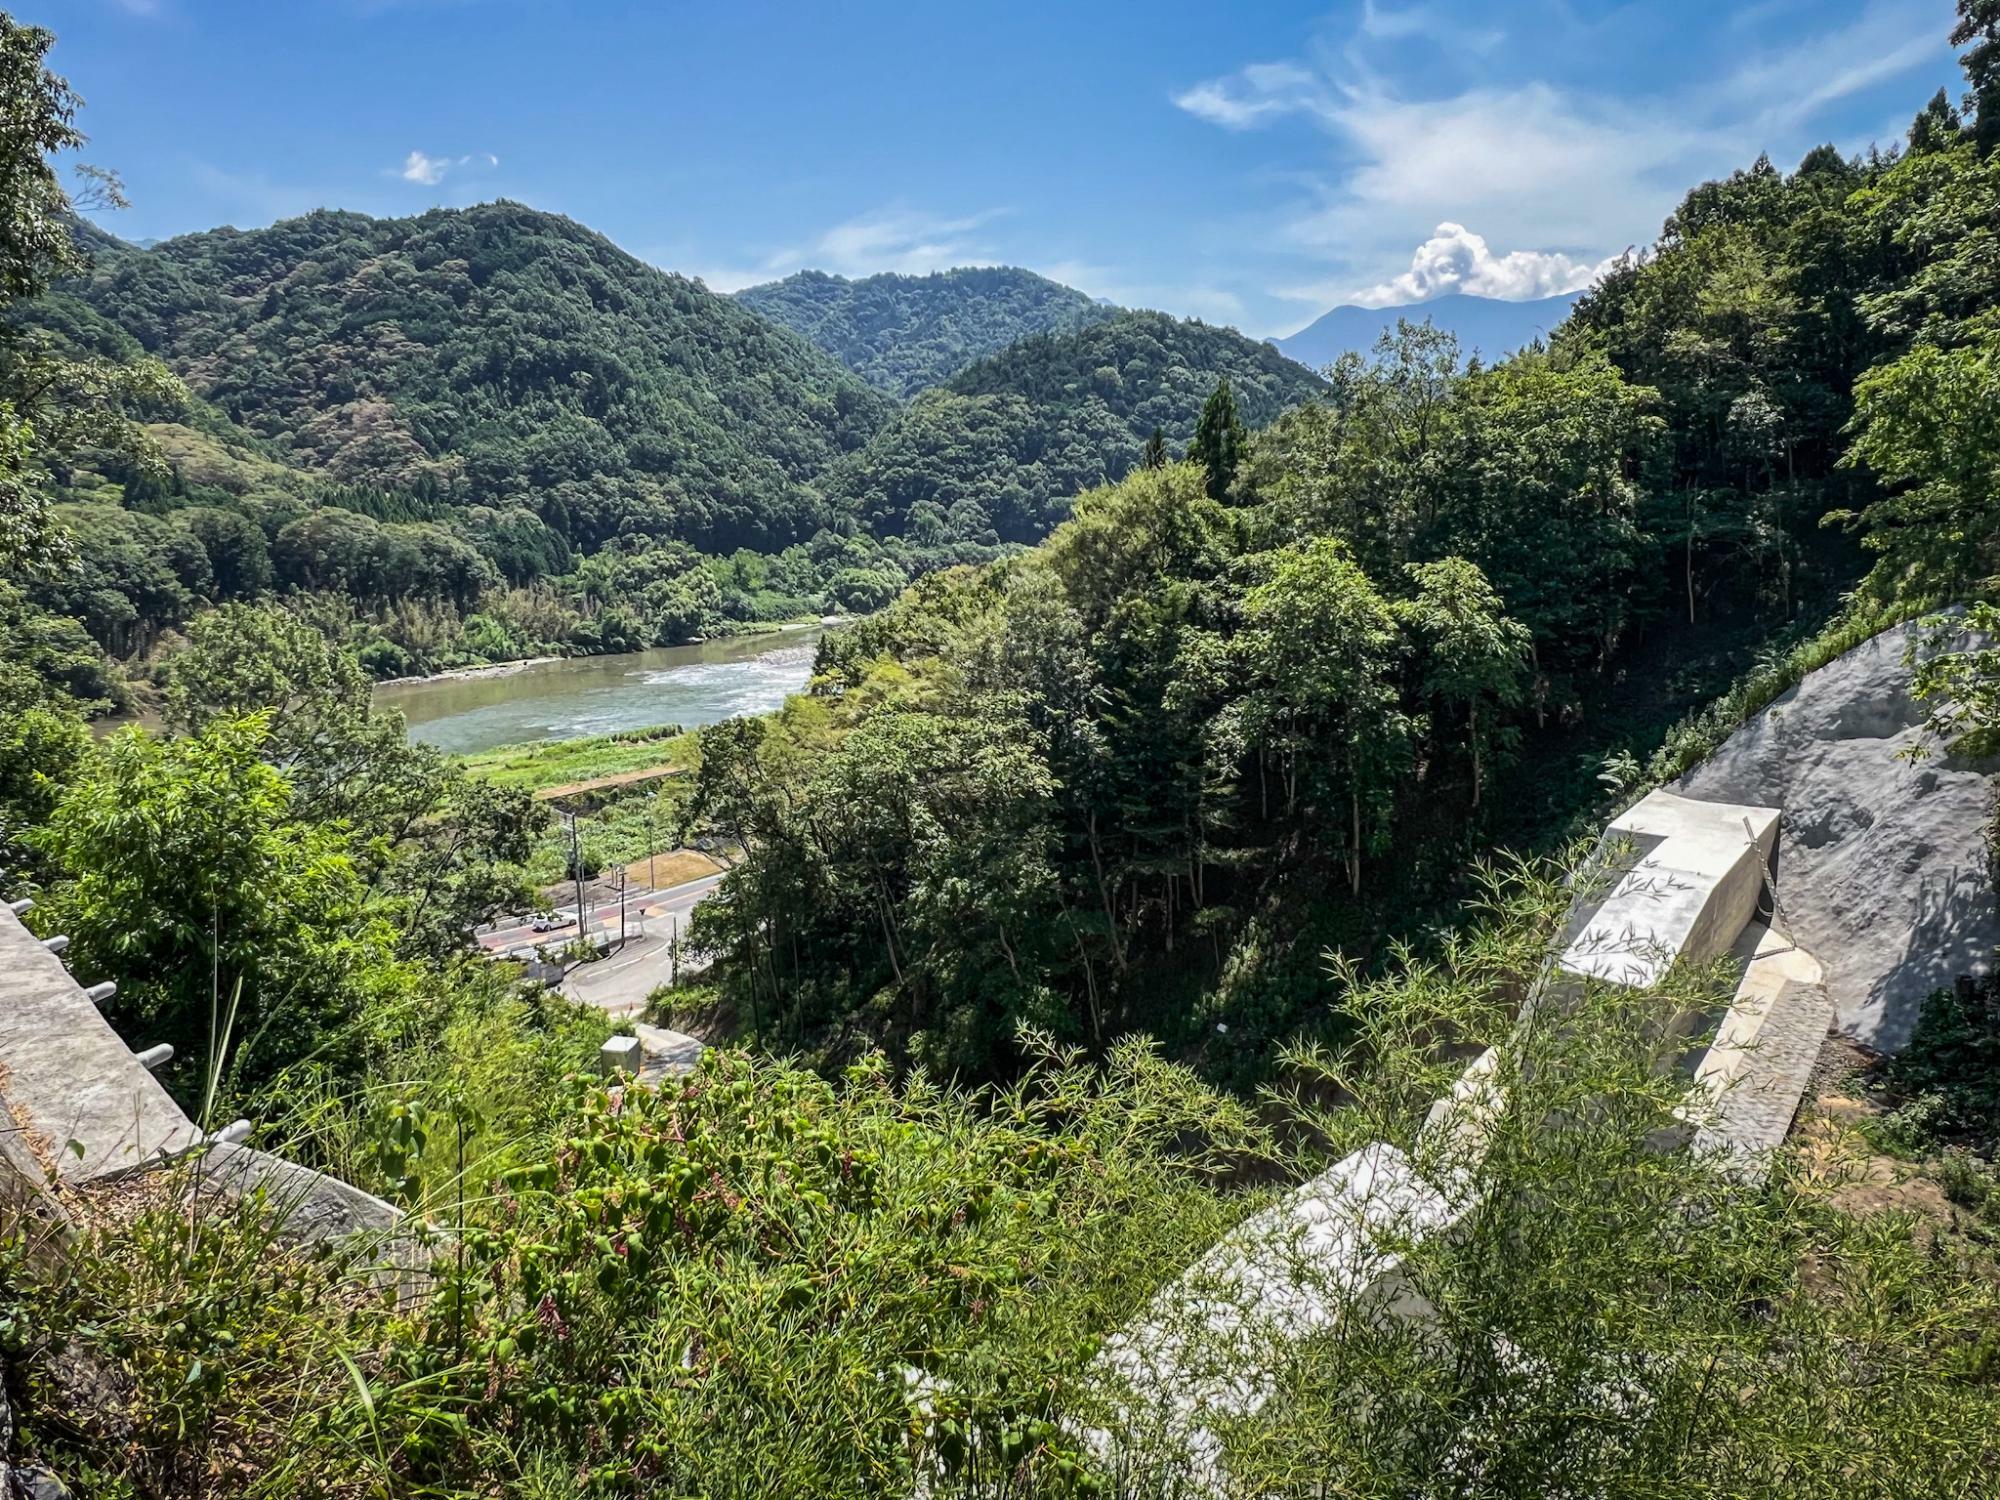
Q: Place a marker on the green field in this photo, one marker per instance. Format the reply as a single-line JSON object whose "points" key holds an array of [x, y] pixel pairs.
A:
{"points": [[549, 763]]}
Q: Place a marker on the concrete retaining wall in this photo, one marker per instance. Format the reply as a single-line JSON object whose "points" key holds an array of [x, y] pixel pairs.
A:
{"points": [[83, 1108], [1677, 879]]}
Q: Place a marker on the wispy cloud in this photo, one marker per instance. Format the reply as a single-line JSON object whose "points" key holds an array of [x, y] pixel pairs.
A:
{"points": [[1262, 92], [1426, 23], [251, 197], [429, 171], [1569, 175], [907, 241]]}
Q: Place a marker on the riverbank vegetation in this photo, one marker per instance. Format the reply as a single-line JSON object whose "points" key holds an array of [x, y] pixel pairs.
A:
{"points": [[542, 764]]}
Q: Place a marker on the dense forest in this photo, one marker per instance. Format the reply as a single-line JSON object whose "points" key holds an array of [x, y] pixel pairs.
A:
{"points": [[904, 334], [1097, 888], [1013, 437], [1232, 712], [503, 351], [487, 434]]}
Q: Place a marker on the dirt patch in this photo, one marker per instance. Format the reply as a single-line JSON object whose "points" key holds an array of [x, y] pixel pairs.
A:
{"points": [[1838, 1159], [663, 871], [608, 783], [676, 868]]}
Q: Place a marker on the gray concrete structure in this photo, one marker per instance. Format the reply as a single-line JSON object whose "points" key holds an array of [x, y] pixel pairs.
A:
{"points": [[84, 1107], [619, 1057], [67, 1077], [1675, 879], [667, 1054]]}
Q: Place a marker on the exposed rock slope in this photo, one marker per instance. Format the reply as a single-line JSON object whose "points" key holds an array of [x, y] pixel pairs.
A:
{"points": [[1882, 862]]}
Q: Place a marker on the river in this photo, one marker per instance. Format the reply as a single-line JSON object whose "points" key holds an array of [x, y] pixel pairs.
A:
{"points": [[685, 685]]}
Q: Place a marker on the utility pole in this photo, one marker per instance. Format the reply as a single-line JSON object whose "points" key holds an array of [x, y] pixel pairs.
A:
{"points": [[576, 870], [652, 837], [622, 873]]}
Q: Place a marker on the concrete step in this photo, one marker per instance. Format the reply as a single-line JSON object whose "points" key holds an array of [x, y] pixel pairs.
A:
{"points": [[1757, 1082]]}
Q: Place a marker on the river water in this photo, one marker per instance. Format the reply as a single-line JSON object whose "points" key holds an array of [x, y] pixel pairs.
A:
{"points": [[685, 685]]}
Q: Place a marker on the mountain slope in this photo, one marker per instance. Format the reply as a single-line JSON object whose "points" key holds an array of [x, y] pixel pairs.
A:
{"points": [[905, 333], [1485, 325], [1010, 440], [500, 353]]}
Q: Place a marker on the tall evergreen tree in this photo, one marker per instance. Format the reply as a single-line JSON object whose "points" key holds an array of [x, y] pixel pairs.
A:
{"points": [[1219, 440], [1155, 456], [1978, 29]]}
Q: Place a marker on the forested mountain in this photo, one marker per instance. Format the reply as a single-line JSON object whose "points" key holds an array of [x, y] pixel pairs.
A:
{"points": [[904, 333], [1009, 440], [496, 353], [1485, 326]]}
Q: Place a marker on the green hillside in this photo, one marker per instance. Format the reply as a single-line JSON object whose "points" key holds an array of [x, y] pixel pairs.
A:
{"points": [[1012, 439], [495, 352], [903, 334]]}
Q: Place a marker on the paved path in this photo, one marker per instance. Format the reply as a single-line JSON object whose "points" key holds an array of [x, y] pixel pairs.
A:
{"points": [[621, 982]]}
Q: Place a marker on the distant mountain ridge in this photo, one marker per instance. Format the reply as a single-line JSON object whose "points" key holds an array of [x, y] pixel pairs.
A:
{"points": [[1485, 326], [903, 334]]}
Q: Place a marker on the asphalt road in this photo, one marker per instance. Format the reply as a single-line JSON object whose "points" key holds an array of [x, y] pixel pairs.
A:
{"points": [[620, 982], [656, 912]]}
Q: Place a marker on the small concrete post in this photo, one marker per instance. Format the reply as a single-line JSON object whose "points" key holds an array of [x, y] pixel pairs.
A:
{"points": [[233, 1134], [22, 907], [156, 1056], [56, 944], [620, 1056], [97, 994]]}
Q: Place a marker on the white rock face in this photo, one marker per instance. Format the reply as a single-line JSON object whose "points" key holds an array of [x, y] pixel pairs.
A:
{"points": [[1882, 866]]}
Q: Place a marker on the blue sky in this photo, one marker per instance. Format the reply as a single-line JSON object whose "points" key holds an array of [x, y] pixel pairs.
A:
{"points": [[1250, 163]]}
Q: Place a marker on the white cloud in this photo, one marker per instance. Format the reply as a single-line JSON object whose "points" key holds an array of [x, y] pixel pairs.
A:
{"points": [[1212, 304], [899, 240], [249, 197], [429, 170], [1258, 94], [1456, 260], [1421, 21], [1886, 40], [1575, 174]]}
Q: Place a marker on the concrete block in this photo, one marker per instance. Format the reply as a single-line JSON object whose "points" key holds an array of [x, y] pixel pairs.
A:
{"points": [[668, 1054], [1683, 877], [1208, 1350], [621, 1057]]}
